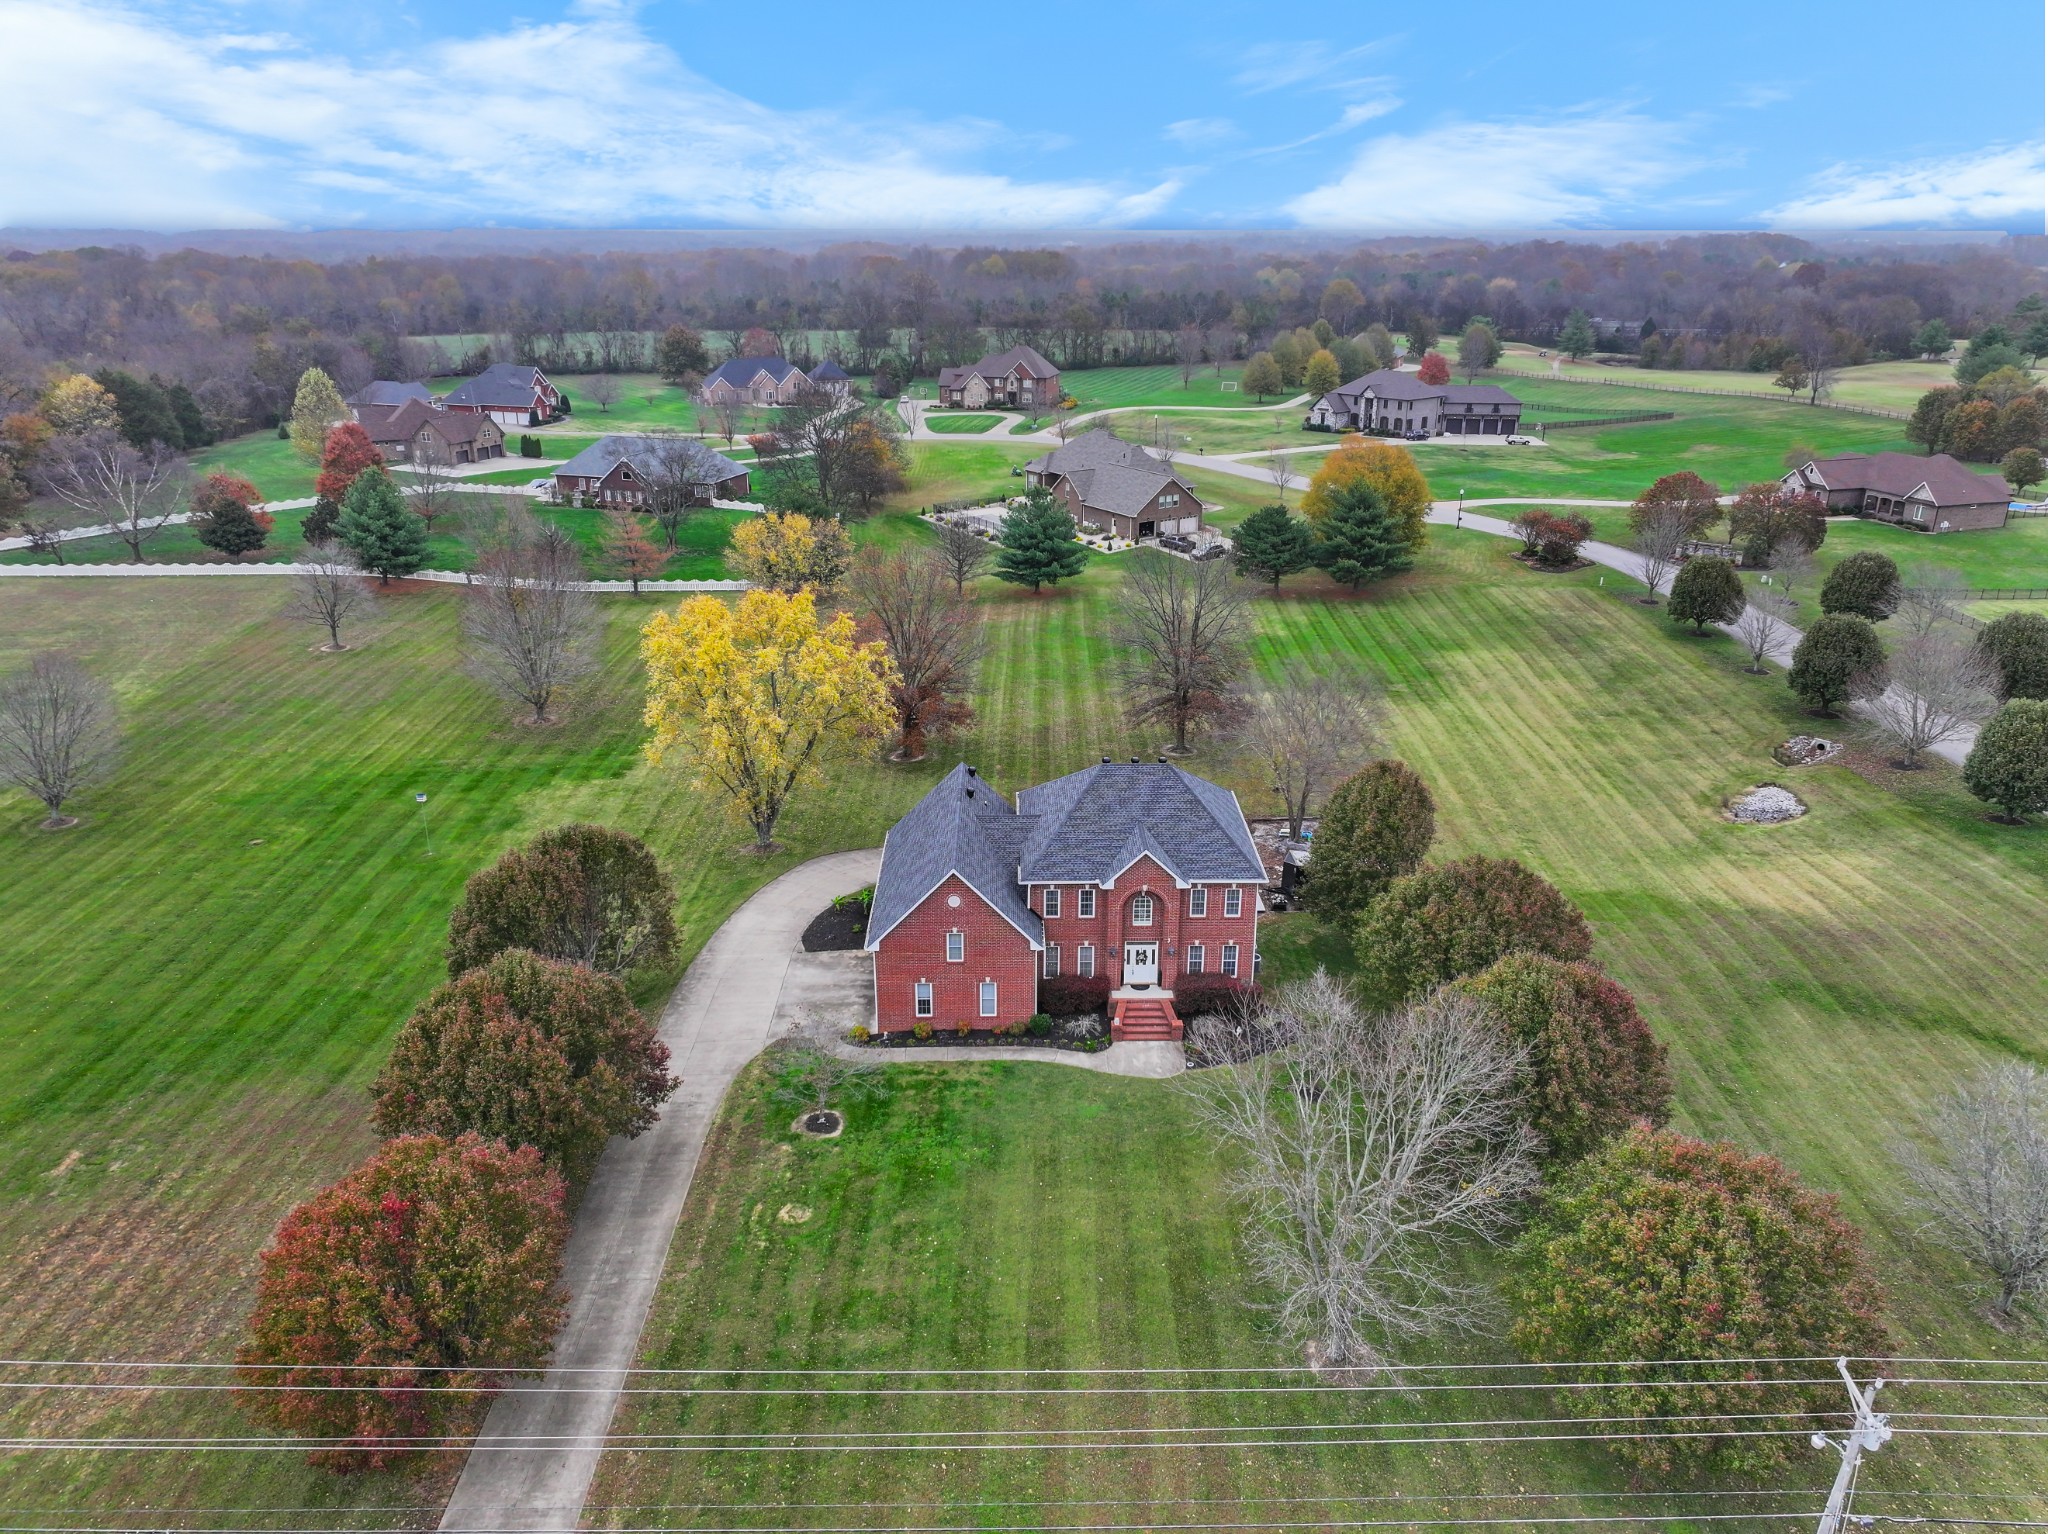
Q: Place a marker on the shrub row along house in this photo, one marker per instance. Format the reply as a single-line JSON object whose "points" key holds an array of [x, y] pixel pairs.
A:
{"points": [[768, 381], [1118, 487], [1138, 875], [1019, 376], [1937, 494], [632, 470], [1392, 402]]}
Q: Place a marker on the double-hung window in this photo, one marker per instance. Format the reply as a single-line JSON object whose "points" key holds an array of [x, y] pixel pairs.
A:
{"points": [[1052, 902], [988, 998], [1084, 900], [923, 995], [1084, 961], [1233, 902], [1198, 901], [1230, 960], [1052, 961], [1196, 957], [956, 946]]}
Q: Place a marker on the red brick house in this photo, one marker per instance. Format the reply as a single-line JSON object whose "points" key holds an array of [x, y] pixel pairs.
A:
{"points": [[1019, 376], [1118, 487], [419, 433], [1936, 494], [510, 393], [1139, 874], [619, 471]]}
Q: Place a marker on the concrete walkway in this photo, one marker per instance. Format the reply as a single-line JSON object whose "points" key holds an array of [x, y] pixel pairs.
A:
{"points": [[532, 1465]]}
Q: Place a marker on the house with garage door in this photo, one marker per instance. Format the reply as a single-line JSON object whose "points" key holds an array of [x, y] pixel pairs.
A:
{"points": [[626, 470], [420, 434], [510, 393], [1118, 487], [1139, 874], [769, 381], [1396, 403]]}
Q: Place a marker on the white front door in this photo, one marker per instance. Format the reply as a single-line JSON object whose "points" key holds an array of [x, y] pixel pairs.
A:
{"points": [[1141, 964]]}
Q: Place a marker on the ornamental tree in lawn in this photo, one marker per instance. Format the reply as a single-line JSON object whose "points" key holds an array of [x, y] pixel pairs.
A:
{"points": [[1593, 1068], [680, 354], [787, 551], [227, 515], [580, 893], [376, 528], [1359, 541], [389, 1302], [529, 1051], [1769, 516], [1435, 368], [1377, 826], [348, 451], [1038, 543], [1272, 545], [1560, 536], [316, 410], [1660, 1246], [1705, 590], [629, 553], [2017, 645], [1320, 374], [2023, 469], [1261, 376], [1577, 337], [1865, 584], [1449, 920], [1694, 501], [1381, 466], [2008, 766], [1839, 657]]}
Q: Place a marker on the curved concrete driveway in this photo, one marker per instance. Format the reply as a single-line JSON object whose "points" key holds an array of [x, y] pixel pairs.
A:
{"points": [[531, 1467]]}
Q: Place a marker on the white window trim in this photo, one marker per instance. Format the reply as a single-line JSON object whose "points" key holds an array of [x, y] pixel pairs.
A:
{"points": [[1233, 902], [1143, 901], [1084, 961], [1196, 957], [989, 1002], [956, 946], [1198, 901], [922, 999], [1230, 961], [1052, 961], [1052, 901], [1085, 903]]}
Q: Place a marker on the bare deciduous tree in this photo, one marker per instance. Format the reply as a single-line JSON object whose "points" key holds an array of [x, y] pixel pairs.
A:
{"points": [[135, 491], [963, 552], [1183, 626], [429, 496], [1792, 570], [1940, 686], [672, 480], [1309, 733], [603, 390], [529, 625], [1763, 628], [1931, 601], [328, 590], [1982, 1179], [933, 634], [1659, 545], [1187, 351], [1368, 1147], [811, 1071], [57, 732], [1280, 467]]}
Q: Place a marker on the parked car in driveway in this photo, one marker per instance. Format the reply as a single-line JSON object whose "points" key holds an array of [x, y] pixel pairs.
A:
{"points": [[1177, 543], [1212, 551], [1522, 439], [1414, 436]]}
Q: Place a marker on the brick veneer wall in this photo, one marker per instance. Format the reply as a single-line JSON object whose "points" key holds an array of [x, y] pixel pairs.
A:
{"points": [[915, 950], [1172, 926]]}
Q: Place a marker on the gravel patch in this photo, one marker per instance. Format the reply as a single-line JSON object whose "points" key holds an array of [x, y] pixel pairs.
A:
{"points": [[1765, 805]]}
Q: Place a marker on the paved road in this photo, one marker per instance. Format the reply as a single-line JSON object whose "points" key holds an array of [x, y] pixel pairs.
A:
{"points": [[532, 1466]]}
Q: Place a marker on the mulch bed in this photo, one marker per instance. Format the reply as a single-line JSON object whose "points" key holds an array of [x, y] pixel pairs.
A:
{"points": [[1531, 562], [981, 1038], [836, 929]]}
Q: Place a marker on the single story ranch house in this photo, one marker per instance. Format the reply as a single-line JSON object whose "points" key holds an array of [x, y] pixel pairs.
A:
{"points": [[1119, 487], [1019, 376], [768, 381], [617, 471], [1392, 401], [1138, 873], [419, 433], [1936, 494], [510, 393]]}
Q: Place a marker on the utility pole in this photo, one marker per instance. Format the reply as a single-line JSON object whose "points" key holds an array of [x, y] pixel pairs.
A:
{"points": [[1870, 1432]]}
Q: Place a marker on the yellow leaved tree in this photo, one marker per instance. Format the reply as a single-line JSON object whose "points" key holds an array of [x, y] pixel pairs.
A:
{"points": [[760, 695], [1384, 467], [787, 551], [76, 405]]}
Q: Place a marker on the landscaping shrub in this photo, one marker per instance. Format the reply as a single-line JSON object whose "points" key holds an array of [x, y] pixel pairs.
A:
{"points": [[1194, 995], [228, 517], [530, 1051], [1839, 656], [1560, 537], [379, 529], [922, 1032], [1865, 584], [1376, 827], [1454, 919], [586, 894], [434, 1255], [2008, 766], [1038, 1025], [1594, 1066], [1074, 996], [1660, 1246], [2017, 644], [1706, 590]]}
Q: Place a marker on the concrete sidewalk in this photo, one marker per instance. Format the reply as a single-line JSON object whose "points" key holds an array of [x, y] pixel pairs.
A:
{"points": [[532, 1465]]}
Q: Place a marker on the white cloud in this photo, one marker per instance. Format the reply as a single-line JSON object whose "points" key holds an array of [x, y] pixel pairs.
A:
{"points": [[1996, 186], [1200, 130], [1275, 66], [1569, 170], [1351, 117], [140, 123]]}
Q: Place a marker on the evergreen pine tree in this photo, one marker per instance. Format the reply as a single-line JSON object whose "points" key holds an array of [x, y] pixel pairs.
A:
{"points": [[1039, 548], [1272, 545], [1359, 541], [1577, 338], [375, 526]]}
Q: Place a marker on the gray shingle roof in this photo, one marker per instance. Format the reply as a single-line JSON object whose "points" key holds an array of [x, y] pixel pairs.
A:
{"points": [[1390, 383], [740, 371], [961, 827], [1000, 365], [389, 394], [1108, 473], [505, 385], [1900, 474], [604, 455], [1124, 491], [1089, 826]]}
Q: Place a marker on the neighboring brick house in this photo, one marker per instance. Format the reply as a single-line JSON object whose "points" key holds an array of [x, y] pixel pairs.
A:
{"points": [[387, 394], [615, 471], [510, 393], [1019, 376], [1390, 400], [1930, 495], [418, 433], [1139, 874], [768, 381], [1118, 487]]}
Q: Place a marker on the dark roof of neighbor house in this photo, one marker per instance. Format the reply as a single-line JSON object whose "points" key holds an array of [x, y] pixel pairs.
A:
{"points": [[402, 423], [389, 394], [606, 453], [1093, 450], [1091, 825], [381, 423], [1392, 383], [1899, 474], [829, 371], [1000, 365], [740, 371], [502, 385], [962, 827]]}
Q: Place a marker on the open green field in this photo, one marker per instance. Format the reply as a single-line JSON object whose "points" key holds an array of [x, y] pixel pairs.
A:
{"points": [[1219, 431], [964, 425], [1885, 385], [264, 459], [1100, 388], [204, 976]]}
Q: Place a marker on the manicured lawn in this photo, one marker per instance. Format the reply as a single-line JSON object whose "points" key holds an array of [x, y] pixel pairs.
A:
{"points": [[942, 471], [1220, 431], [965, 425], [269, 463], [1886, 385], [1097, 388]]}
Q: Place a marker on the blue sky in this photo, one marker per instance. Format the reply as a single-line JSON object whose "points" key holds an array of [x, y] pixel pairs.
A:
{"points": [[1476, 116]]}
